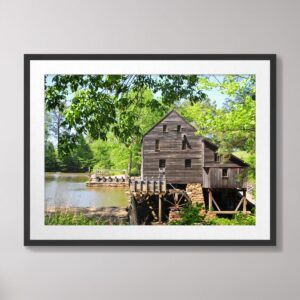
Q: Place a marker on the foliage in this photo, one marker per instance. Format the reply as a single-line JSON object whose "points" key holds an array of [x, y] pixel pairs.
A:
{"points": [[109, 154], [51, 163], [78, 160], [238, 219], [72, 219], [249, 158], [98, 104], [232, 126], [189, 215]]}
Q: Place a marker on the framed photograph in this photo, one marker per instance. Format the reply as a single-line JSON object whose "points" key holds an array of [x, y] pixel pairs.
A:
{"points": [[150, 149]]}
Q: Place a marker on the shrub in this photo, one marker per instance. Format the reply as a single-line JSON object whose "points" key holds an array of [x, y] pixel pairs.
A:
{"points": [[190, 215], [238, 219]]}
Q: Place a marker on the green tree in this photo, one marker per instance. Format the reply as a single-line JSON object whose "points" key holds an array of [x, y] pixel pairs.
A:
{"points": [[231, 126], [79, 159], [51, 164], [98, 104]]}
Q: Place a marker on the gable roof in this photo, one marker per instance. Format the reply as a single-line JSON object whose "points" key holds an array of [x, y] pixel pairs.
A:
{"points": [[171, 111], [232, 158]]}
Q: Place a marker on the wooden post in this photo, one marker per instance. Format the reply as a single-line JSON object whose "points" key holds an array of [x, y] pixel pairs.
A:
{"points": [[164, 184], [135, 184], [209, 200], [159, 209], [133, 217], [146, 184], [152, 185], [244, 201], [176, 198]]}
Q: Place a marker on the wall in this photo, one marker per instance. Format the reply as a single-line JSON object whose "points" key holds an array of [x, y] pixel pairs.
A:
{"points": [[95, 26], [170, 150]]}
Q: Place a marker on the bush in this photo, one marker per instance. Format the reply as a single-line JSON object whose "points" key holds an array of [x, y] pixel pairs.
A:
{"points": [[238, 219], [190, 215]]}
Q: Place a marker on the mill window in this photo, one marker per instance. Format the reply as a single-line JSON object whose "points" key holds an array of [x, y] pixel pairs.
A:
{"points": [[188, 163], [185, 143], [165, 128], [156, 145], [224, 172], [162, 163], [178, 128], [217, 157]]}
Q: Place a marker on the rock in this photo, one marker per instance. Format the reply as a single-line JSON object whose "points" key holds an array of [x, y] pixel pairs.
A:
{"points": [[195, 193], [174, 214], [210, 215]]}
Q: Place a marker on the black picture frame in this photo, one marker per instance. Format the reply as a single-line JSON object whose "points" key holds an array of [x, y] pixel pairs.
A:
{"points": [[31, 57]]}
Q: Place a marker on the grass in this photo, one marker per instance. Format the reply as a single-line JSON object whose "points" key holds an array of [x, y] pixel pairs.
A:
{"points": [[238, 219], [190, 216], [71, 219]]}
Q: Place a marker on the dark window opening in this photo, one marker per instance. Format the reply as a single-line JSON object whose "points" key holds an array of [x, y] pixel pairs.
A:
{"points": [[162, 163], [185, 143], [156, 145], [224, 172], [164, 128], [217, 157], [178, 128], [188, 163]]}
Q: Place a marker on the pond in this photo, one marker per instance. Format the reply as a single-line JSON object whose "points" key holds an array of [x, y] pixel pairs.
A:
{"points": [[69, 190]]}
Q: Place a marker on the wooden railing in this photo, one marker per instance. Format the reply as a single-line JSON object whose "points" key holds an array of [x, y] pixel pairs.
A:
{"points": [[100, 180], [145, 186]]}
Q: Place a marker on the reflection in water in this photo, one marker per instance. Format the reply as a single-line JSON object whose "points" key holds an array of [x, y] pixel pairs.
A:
{"points": [[69, 190]]}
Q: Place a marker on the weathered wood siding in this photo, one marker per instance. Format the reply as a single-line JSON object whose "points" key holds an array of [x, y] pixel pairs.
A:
{"points": [[159, 145], [170, 149], [213, 178], [209, 153], [212, 173]]}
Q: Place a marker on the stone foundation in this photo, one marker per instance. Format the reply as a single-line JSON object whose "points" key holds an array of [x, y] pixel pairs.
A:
{"points": [[195, 193]]}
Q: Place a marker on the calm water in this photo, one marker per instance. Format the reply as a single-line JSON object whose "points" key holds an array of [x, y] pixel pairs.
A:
{"points": [[69, 190]]}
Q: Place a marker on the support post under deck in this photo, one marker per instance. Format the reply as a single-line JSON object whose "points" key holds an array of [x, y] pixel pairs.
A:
{"points": [[244, 201], [159, 209]]}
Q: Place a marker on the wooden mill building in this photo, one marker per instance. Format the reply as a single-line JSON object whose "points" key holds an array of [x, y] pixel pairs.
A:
{"points": [[178, 166], [171, 147]]}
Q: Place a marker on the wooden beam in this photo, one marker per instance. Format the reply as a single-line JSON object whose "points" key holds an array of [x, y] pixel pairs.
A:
{"points": [[228, 212], [209, 199], [244, 202], [240, 203], [176, 198], [217, 206]]}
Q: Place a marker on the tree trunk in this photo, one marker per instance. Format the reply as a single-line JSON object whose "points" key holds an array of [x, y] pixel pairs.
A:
{"points": [[130, 163]]}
